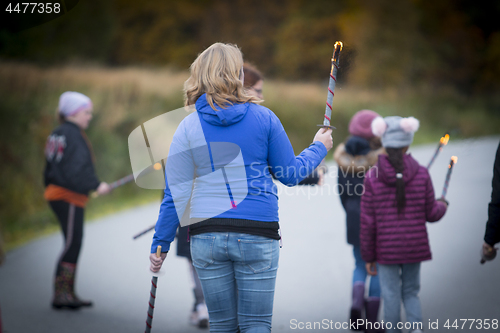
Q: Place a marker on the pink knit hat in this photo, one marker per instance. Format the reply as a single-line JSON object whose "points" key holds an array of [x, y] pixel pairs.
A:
{"points": [[361, 123]]}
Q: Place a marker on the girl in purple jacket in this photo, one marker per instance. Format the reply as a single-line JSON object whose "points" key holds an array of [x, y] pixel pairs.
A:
{"points": [[397, 202]]}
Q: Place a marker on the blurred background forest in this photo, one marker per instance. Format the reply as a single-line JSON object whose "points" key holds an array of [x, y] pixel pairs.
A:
{"points": [[436, 60]]}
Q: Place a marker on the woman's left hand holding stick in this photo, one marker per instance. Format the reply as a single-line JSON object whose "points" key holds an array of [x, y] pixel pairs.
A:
{"points": [[156, 261]]}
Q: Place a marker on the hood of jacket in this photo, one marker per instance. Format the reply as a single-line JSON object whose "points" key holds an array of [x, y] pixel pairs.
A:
{"points": [[357, 164], [356, 145], [221, 117], [387, 173]]}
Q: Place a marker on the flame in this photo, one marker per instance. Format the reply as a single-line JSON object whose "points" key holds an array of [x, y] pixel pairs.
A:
{"points": [[444, 140], [157, 166], [338, 43], [336, 54], [454, 159]]}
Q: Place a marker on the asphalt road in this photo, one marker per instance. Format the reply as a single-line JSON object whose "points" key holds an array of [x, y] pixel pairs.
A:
{"points": [[315, 271]]}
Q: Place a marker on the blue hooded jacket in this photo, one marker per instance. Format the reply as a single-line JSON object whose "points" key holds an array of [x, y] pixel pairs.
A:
{"points": [[221, 161]]}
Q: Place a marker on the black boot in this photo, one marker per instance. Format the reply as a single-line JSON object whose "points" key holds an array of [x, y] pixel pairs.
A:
{"points": [[371, 307], [64, 293], [358, 302]]}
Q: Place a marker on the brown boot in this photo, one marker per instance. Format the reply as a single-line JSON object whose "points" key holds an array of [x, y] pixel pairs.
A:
{"points": [[64, 294]]}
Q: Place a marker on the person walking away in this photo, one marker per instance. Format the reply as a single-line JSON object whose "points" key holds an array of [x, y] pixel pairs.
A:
{"points": [[235, 252], [355, 157], [69, 176], [397, 202], [492, 233]]}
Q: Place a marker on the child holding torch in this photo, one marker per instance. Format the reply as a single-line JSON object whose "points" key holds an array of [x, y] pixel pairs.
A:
{"points": [[69, 177], [397, 202]]}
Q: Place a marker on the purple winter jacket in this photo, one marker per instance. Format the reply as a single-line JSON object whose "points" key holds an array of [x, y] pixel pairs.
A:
{"points": [[387, 238]]}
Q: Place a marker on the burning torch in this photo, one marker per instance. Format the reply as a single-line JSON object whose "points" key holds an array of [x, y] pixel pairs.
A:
{"points": [[453, 161], [442, 142], [331, 84]]}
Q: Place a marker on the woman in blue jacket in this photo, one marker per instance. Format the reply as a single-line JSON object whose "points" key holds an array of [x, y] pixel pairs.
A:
{"points": [[220, 160]]}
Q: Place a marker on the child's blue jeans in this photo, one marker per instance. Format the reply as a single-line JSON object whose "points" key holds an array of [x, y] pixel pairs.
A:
{"points": [[400, 283], [360, 274]]}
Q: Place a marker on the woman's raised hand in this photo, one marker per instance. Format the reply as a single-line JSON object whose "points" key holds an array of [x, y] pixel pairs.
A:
{"points": [[324, 135]]}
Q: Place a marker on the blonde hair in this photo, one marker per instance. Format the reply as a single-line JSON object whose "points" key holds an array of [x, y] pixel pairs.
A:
{"points": [[216, 72]]}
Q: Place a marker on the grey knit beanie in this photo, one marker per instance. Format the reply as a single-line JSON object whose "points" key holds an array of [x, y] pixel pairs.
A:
{"points": [[396, 132]]}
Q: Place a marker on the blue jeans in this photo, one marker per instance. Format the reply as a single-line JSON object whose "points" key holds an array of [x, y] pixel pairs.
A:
{"points": [[238, 274], [360, 274], [400, 282]]}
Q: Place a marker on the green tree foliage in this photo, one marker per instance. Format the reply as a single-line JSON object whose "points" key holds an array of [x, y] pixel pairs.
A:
{"points": [[157, 31], [173, 32], [383, 34], [305, 39], [405, 44]]}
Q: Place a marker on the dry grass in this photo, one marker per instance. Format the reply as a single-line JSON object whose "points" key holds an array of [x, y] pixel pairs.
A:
{"points": [[161, 81], [126, 97]]}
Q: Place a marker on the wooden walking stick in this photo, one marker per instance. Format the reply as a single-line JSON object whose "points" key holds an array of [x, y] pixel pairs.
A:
{"points": [[152, 296]]}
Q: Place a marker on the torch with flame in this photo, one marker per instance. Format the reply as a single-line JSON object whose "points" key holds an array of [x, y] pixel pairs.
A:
{"points": [[453, 161], [331, 84], [442, 142]]}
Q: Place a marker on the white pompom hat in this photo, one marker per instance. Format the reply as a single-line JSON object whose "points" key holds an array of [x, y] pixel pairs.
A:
{"points": [[396, 132]]}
